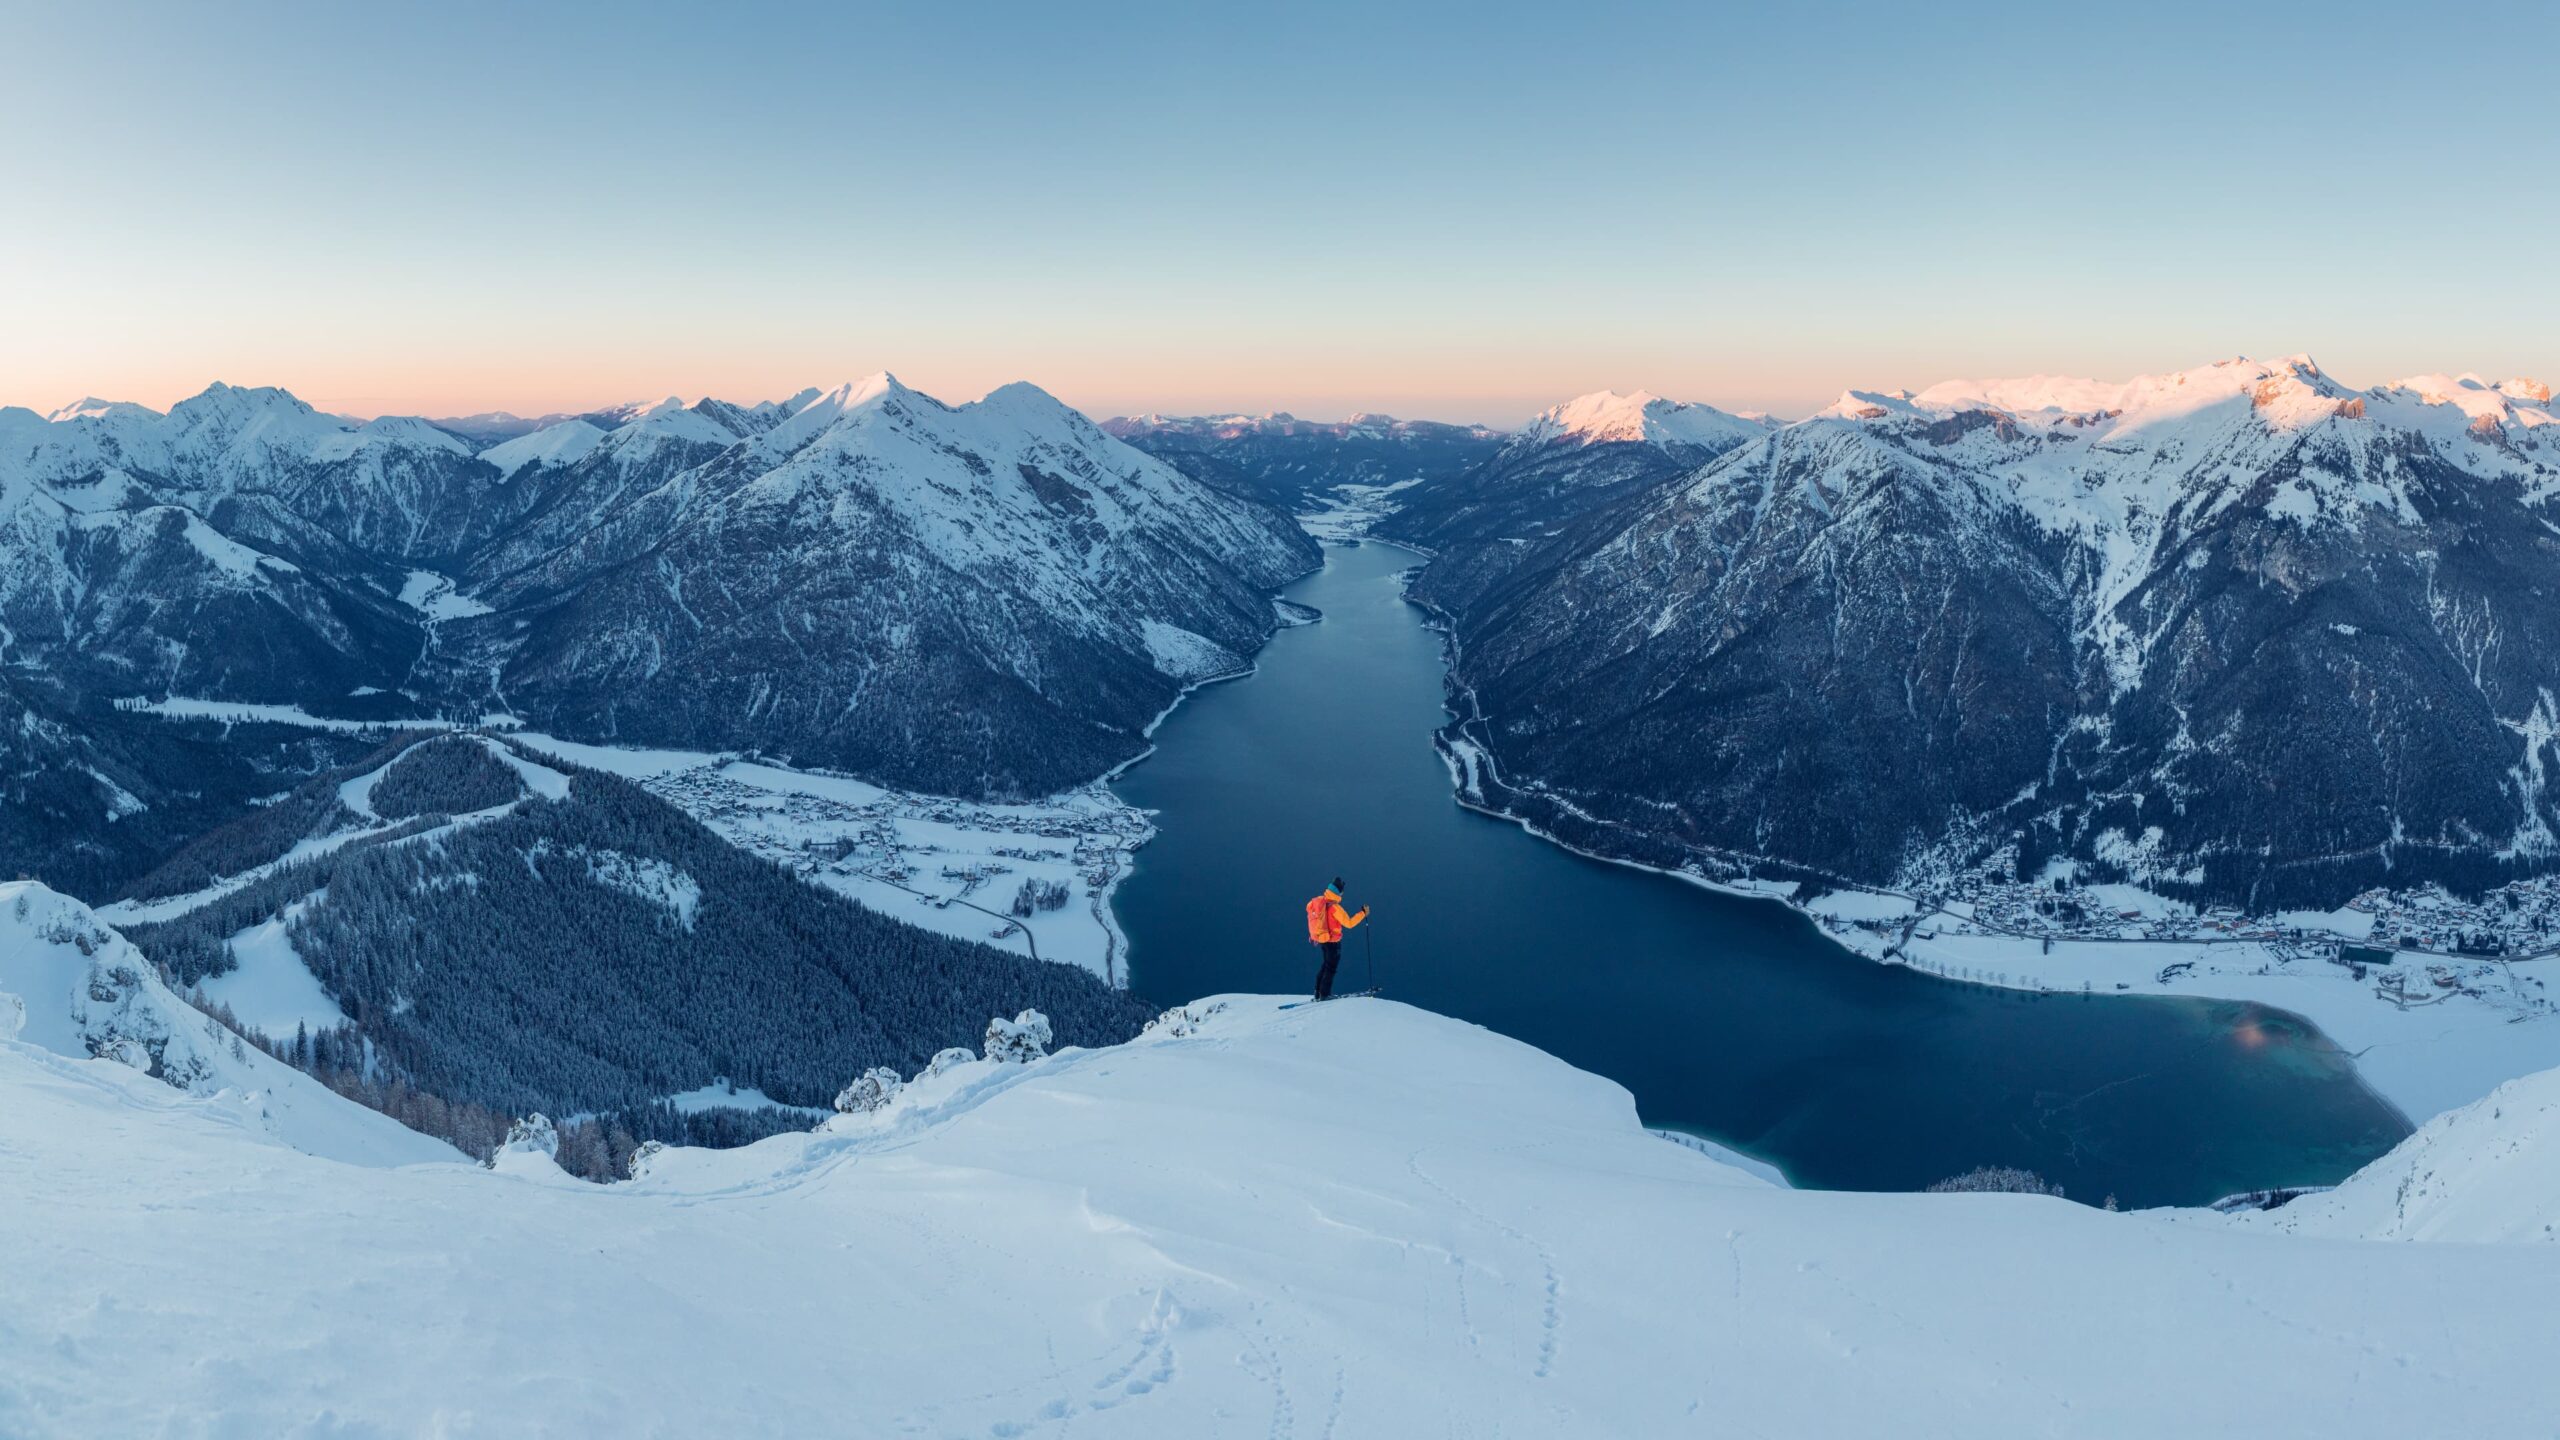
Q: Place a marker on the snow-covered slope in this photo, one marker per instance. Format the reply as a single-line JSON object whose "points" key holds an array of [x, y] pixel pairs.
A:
{"points": [[1354, 1220], [2239, 627], [2488, 1173], [70, 986]]}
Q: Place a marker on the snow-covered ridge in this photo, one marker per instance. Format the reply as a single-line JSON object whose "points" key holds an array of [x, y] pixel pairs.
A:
{"points": [[1606, 417], [70, 986], [1362, 425], [2488, 1173], [1357, 1219], [2278, 395]]}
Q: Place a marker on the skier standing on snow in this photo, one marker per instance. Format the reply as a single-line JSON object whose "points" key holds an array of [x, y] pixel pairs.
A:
{"points": [[1326, 920]]}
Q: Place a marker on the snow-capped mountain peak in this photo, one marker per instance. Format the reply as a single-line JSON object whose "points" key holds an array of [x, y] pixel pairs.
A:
{"points": [[1868, 405], [823, 410], [671, 421], [566, 443], [1040, 412], [1605, 417], [399, 431], [775, 411], [236, 419], [91, 407]]}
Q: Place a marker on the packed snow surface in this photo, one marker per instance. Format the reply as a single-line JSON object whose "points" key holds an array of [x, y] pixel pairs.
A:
{"points": [[1355, 1219]]}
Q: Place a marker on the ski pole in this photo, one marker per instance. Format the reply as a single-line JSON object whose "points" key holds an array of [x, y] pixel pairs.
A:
{"points": [[1369, 950]]}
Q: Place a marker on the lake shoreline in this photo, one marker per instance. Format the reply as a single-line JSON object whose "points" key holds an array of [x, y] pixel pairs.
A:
{"points": [[1739, 1025]]}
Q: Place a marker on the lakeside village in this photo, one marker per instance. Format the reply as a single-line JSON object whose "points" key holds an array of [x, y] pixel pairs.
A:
{"points": [[2415, 947], [994, 872]]}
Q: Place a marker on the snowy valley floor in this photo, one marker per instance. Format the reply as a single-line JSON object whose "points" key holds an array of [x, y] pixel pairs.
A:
{"points": [[1350, 1220]]}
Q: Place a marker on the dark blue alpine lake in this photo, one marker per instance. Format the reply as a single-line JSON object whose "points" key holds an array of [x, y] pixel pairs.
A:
{"points": [[1731, 1018]]}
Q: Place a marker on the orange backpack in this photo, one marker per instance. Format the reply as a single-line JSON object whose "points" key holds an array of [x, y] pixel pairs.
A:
{"points": [[1320, 926]]}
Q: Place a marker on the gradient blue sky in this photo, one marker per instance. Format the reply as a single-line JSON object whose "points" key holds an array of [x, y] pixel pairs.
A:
{"points": [[1464, 211]]}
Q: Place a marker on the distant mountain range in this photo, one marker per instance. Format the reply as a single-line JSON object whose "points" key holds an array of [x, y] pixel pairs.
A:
{"points": [[991, 599], [1296, 463], [1568, 463], [2240, 632]]}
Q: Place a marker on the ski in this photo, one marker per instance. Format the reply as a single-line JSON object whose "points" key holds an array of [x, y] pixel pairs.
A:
{"points": [[1345, 995]]}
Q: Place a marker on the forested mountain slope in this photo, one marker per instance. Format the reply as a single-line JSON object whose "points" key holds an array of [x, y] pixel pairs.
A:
{"points": [[521, 935]]}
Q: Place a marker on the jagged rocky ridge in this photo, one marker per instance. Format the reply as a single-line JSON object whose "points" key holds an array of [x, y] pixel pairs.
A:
{"points": [[991, 599], [2238, 632]]}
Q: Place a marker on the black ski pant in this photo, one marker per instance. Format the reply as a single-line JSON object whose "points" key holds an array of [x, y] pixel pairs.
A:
{"points": [[1324, 977]]}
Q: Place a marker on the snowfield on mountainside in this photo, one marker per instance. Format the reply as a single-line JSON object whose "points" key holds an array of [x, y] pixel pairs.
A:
{"points": [[1351, 1219]]}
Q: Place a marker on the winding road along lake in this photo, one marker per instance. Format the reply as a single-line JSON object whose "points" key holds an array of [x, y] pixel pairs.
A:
{"points": [[1727, 1017]]}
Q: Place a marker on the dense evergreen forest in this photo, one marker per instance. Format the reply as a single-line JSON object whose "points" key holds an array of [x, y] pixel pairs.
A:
{"points": [[597, 953]]}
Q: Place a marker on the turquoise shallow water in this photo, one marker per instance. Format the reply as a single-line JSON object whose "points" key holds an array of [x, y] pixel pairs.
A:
{"points": [[1728, 1017]]}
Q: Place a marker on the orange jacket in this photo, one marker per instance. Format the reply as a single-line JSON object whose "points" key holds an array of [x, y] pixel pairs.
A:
{"points": [[1326, 919]]}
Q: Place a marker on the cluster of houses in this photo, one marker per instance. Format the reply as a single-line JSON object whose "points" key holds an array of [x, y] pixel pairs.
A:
{"points": [[2516, 921], [895, 836]]}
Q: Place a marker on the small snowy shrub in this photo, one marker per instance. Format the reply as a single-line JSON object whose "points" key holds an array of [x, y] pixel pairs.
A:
{"points": [[1997, 1180], [1182, 1020], [13, 1016], [945, 1059], [124, 1050], [534, 1135], [873, 1089], [648, 1152], [1020, 1040]]}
